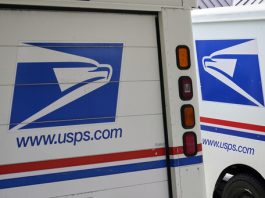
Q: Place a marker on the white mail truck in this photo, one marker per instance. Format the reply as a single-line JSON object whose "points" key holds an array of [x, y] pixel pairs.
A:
{"points": [[97, 100], [230, 47]]}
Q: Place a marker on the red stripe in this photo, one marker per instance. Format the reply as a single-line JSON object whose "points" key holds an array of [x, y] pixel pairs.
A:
{"points": [[87, 160], [176, 150], [78, 161], [199, 147], [233, 124], [179, 150]]}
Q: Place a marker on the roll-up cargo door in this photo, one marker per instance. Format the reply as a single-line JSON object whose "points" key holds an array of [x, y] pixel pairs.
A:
{"points": [[81, 111]]}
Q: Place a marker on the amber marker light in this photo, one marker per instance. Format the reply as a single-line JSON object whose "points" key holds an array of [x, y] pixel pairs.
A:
{"points": [[183, 57], [187, 116]]}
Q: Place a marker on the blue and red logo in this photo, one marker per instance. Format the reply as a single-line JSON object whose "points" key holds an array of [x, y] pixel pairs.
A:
{"points": [[59, 84], [230, 72]]}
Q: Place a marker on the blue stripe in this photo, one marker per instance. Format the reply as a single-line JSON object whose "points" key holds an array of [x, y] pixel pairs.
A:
{"points": [[186, 161], [231, 132], [80, 174], [96, 172]]}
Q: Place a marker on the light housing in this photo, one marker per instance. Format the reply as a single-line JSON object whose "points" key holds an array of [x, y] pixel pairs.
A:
{"points": [[185, 88]]}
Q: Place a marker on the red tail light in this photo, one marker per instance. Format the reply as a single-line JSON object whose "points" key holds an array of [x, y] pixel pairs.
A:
{"points": [[190, 144]]}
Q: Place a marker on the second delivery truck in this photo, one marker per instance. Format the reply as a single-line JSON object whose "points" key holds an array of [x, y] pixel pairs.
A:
{"points": [[230, 47]]}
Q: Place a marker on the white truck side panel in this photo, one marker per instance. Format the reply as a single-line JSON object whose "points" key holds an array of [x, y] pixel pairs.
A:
{"points": [[139, 108]]}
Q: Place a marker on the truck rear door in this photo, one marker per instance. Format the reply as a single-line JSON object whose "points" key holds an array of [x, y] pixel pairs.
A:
{"points": [[81, 111]]}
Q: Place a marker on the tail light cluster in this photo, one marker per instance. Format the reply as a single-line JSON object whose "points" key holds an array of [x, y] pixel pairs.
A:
{"points": [[186, 94]]}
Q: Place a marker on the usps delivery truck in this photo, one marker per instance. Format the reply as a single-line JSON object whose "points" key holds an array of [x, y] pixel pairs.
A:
{"points": [[97, 100], [230, 47]]}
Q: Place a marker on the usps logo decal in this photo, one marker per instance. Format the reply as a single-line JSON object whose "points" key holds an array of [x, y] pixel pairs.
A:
{"points": [[229, 71], [61, 84]]}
